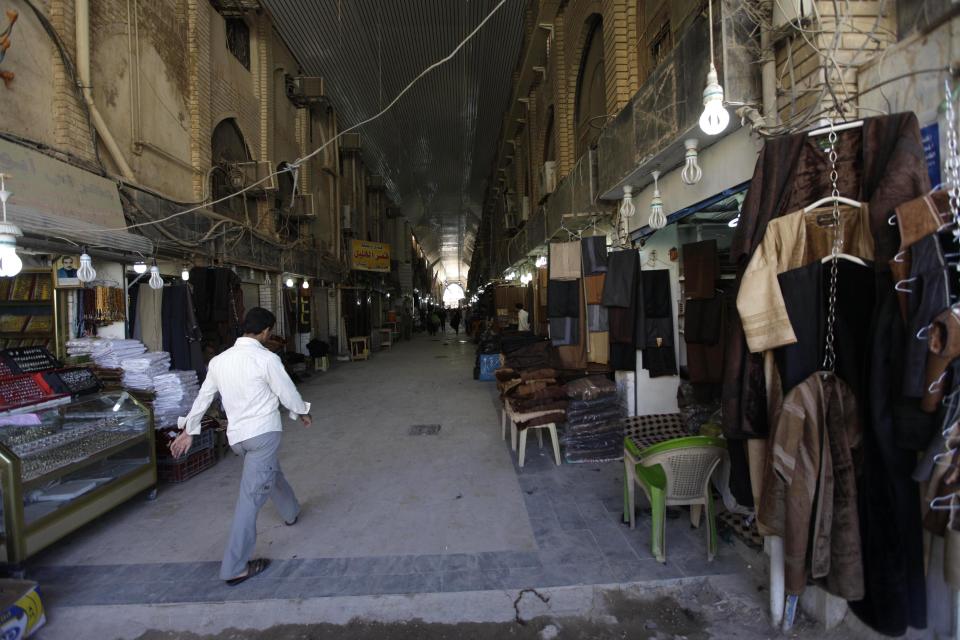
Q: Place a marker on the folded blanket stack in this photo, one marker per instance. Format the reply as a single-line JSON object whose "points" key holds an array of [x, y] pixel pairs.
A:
{"points": [[594, 421]]}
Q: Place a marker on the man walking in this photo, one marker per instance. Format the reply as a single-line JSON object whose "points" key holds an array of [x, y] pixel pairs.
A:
{"points": [[252, 384]]}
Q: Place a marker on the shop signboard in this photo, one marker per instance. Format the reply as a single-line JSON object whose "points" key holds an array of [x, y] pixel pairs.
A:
{"points": [[370, 256]]}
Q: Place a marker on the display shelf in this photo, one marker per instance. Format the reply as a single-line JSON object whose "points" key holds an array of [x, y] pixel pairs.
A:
{"points": [[96, 453]]}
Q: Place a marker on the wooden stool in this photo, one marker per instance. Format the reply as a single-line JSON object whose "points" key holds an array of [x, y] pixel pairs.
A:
{"points": [[386, 338], [360, 348]]}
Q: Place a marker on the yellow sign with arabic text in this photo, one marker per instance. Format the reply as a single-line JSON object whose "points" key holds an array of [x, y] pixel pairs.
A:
{"points": [[370, 256]]}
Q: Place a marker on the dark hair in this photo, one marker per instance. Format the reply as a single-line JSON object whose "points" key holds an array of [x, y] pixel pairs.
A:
{"points": [[519, 305], [258, 319]]}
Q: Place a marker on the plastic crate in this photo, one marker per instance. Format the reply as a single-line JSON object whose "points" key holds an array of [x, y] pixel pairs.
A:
{"points": [[201, 442], [172, 471]]}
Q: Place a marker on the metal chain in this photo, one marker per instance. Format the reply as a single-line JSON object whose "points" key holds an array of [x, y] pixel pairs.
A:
{"points": [[953, 162], [829, 352]]}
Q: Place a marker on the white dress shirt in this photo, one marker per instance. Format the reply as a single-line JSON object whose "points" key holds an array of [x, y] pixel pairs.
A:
{"points": [[523, 320], [252, 383]]}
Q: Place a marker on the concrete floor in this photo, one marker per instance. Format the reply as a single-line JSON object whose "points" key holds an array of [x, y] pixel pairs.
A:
{"points": [[385, 512]]}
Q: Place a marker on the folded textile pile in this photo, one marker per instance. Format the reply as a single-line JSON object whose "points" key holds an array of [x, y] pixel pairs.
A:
{"points": [[139, 372], [105, 352], [175, 393], [594, 421]]}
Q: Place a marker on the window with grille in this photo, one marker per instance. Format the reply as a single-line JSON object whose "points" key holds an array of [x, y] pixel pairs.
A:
{"points": [[238, 40]]}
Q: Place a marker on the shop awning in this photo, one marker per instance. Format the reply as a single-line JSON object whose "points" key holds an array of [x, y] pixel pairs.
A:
{"points": [[53, 200]]}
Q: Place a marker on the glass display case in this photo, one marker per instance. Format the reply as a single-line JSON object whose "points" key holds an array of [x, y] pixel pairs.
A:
{"points": [[65, 465]]}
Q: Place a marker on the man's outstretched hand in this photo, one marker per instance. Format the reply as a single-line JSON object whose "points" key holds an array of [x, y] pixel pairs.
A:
{"points": [[181, 444], [306, 420]]}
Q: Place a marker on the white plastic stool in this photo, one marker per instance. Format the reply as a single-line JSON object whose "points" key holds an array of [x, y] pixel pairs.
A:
{"points": [[551, 427]]}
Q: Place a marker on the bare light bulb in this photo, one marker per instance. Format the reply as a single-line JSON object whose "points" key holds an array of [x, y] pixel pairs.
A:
{"points": [[657, 219], [627, 208], [289, 283], [540, 263], [86, 272], [185, 274], [156, 282], [10, 263], [692, 173], [306, 284], [140, 267], [715, 117]]}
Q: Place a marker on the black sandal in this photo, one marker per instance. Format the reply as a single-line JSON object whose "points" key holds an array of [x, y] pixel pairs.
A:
{"points": [[254, 567], [292, 522]]}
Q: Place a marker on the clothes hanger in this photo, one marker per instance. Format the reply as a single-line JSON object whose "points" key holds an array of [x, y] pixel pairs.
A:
{"points": [[843, 126], [939, 504], [831, 199], [845, 256]]}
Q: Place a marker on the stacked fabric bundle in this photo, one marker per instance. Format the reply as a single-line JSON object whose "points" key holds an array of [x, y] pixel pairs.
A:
{"points": [[175, 393], [594, 431], [139, 372], [534, 396], [105, 352]]}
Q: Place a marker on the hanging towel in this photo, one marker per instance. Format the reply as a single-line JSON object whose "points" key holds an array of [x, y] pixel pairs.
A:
{"points": [[149, 325], [701, 269], [564, 331], [594, 250], [563, 299], [594, 286], [599, 345], [597, 318], [618, 289], [564, 260]]}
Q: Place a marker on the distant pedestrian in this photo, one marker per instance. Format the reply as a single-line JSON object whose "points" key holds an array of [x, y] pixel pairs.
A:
{"points": [[523, 318], [455, 319], [443, 320], [434, 322]]}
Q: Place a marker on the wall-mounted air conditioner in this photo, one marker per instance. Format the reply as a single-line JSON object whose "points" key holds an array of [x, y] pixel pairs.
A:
{"points": [[304, 90], [257, 177], [548, 177], [350, 141], [303, 206]]}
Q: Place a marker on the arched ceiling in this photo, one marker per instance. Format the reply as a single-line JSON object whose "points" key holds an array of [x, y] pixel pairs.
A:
{"points": [[436, 146]]}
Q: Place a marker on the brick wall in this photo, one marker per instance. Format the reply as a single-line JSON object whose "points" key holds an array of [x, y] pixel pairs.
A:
{"points": [[71, 129]]}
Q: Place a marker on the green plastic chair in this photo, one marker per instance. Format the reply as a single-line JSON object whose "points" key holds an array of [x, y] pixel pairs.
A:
{"points": [[673, 473]]}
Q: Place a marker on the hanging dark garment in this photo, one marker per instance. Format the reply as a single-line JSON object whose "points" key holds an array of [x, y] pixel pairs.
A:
{"points": [[563, 299], [702, 320], [654, 325], [622, 325], [929, 295], [594, 250], [177, 330], [598, 318], [564, 331], [621, 282], [201, 279], [623, 357], [881, 163], [660, 361], [701, 269]]}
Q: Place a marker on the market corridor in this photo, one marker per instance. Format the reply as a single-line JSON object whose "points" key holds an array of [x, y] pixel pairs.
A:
{"points": [[384, 511]]}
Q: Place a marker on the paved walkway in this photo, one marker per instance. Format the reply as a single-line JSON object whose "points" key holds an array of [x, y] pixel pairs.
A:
{"points": [[385, 512]]}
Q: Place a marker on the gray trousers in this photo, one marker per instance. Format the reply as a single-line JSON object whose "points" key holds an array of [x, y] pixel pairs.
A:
{"points": [[262, 479]]}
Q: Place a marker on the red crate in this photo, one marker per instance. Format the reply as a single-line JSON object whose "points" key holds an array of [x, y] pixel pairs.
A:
{"points": [[175, 472]]}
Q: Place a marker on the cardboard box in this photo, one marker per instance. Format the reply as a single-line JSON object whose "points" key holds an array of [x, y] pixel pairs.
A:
{"points": [[21, 610]]}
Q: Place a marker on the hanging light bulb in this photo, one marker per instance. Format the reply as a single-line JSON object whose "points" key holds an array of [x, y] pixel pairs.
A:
{"points": [[266, 280], [692, 173], [139, 267], [10, 263], [289, 283], [86, 272], [156, 282], [657, 219], [541, 262], [715, 117], [185, 274], [306, 284], [627, 209]]}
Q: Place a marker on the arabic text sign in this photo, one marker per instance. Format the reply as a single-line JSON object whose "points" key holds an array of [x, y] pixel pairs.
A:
{"points": [[371, 256]]}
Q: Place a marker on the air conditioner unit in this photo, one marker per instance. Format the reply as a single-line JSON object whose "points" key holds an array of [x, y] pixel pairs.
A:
{"points": [[303, 206], [304, 90], [525, 208], [548, 177], [256, 177], [350, 141], [791, 11]]}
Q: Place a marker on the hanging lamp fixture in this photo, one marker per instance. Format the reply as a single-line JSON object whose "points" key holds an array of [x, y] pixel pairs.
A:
{"points": [[156, 282], [86, 272], [715, 116], [657, 219], [140, 267], [692, 173], [10, 263]]}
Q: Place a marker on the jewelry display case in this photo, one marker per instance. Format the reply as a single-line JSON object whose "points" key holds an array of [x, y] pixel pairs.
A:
{"points": [[62, 466]]}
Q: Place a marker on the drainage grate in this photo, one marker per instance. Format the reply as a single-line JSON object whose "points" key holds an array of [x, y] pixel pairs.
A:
{"points": [[424, 429]]}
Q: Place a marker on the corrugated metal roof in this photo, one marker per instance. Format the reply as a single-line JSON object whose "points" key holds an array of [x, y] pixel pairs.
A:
{"points": [[436, 146]]}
